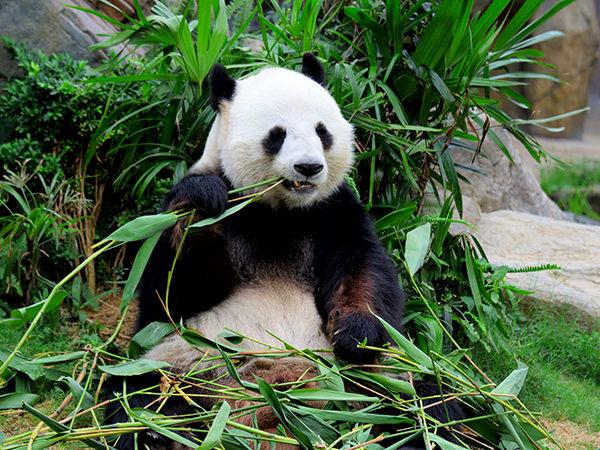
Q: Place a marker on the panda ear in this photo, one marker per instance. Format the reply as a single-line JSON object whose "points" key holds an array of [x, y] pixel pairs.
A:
{"points": [[312, 68], [222, 86]]}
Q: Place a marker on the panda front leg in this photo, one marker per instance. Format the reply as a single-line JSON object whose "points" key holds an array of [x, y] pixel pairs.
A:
{"points": [[203, 261], [351, 310], [205, 193]]}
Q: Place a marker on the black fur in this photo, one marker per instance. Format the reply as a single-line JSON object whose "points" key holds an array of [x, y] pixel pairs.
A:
{"points": [[312, 68], [222, 86], [273, 142], [324, 135], [207, 194]]}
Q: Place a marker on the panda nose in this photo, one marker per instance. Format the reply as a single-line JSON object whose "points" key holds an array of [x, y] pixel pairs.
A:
{"points": [[308, 170]]}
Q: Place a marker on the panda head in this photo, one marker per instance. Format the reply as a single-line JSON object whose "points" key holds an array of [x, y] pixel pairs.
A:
{"points": [[278, 123]]}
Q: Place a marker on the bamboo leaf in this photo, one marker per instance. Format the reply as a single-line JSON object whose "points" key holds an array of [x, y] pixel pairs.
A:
{"points": [[525, 11], [15, 400], [23, 315], [417, 244], [141, 260], [59, 358], [143, 227], [216, 430], [138, 367], [513, 383], [148, 337], [227, 213], [411, 350], [77, 391]]}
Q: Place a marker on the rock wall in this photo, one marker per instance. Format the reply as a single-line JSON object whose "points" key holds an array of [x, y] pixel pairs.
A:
{"points": [[53, 27], [575, 56]]}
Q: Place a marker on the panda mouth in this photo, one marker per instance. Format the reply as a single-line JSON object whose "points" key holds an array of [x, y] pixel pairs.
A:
{"points": [[297, 186]]}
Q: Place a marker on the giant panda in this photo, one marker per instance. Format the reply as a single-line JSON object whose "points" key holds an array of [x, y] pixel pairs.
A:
{"points": [[303, 263]]}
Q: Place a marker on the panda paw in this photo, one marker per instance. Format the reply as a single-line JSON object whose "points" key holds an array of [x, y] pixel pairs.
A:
{"points": [[151, 440], [205, 193], [350, 331]]}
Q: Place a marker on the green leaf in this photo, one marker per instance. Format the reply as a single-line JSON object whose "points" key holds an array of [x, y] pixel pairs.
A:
{"points": [[59, 358], [227, 213], [141, 260], [398, 217], [444, 444], [353, 416], [77, 391], [138, 367], [313, 425], [411, 350], [33, 370], [393, 384], [271, 397], [308, 395], [16, 399], [513, 383], [437, 37], [143, 227], [23, 315], [473, 280], [366, 21], [194, 338], [525, 11], [58, 427], [216, 429], [417, 243], [148, 337]]}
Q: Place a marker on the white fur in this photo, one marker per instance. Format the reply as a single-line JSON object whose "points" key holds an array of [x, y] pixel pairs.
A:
{"points": [[288, 311], [279, 97]]}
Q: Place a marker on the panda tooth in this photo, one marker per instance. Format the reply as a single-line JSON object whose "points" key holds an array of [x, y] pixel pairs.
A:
{"points": [[297, 184]]}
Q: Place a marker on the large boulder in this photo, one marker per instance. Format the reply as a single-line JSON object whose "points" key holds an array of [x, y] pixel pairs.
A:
{"points": [[505, 185], [52, 27], [520, 239]]}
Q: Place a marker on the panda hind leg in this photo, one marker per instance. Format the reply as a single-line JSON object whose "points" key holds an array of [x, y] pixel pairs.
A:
{"points": [[274, 371], [147, 439], [442, 410]]}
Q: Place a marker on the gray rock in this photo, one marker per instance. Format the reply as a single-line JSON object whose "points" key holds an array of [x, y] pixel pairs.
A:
{"points": [[52, 27], [519, 239], [506, 185]]}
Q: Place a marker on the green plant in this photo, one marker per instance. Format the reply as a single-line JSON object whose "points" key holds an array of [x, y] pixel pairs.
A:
{"points": [[570, 185], [564, 362], [34, 221], [52, 117]]}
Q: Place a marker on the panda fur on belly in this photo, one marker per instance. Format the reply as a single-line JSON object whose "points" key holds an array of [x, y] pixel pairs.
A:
{"points": [[303, 263]]}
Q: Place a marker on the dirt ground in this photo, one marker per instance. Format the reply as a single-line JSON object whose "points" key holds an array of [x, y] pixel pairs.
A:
{"points": [[108, 317]]}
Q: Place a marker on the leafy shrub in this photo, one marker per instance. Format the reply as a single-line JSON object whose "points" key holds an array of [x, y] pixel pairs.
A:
{"points": [[54, 115]]}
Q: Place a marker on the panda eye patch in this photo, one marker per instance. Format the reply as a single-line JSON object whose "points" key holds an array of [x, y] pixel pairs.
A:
{"points": [[324, 135], [273, 142]]}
